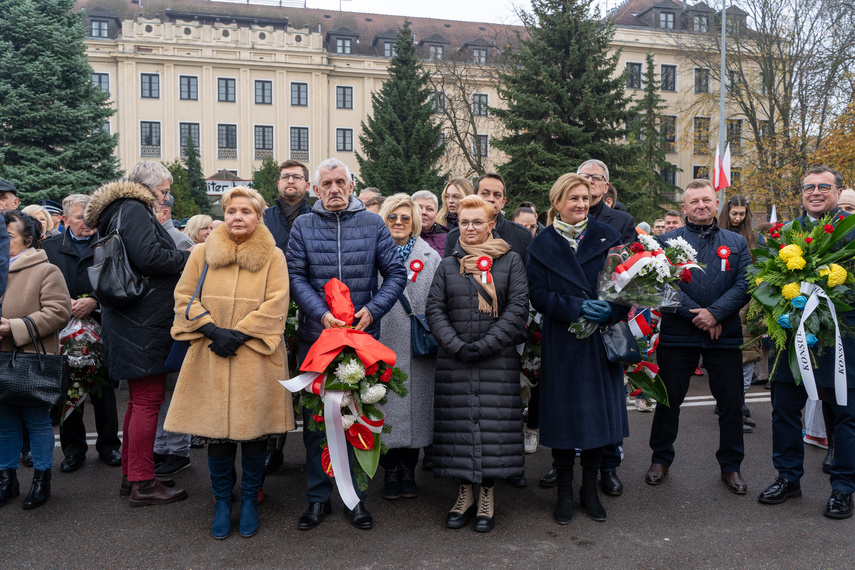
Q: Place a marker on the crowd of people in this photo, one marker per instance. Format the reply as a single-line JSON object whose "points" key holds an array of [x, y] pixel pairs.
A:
{"points": [[223, 290]]}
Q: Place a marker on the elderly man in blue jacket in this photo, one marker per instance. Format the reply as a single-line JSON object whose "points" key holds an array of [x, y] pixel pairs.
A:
{"points": [[706, 324], [338, 238]]}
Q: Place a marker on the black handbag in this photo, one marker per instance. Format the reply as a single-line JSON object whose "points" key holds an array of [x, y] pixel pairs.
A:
{"points": [[179, 347], [422, 341], [620, 344], [33, 379], [114, 281]]}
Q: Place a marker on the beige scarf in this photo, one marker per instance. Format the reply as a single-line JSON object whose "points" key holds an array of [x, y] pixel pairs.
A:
{"points": [[492, 248]]}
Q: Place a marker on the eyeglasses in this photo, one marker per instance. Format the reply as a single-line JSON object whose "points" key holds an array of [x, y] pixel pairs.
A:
{"points": [[295, 177], [394, 218], [823, 188], [594, 177], [476, 224]]}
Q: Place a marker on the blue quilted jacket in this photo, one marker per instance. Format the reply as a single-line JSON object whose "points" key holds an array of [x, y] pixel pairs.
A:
{"points": [[351, 245]]}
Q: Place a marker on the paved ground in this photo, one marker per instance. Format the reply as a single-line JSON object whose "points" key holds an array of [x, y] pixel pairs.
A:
{"points": [[690, 522]]}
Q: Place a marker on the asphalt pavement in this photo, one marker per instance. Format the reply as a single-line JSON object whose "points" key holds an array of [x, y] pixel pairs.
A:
{"points": [[691, 521]]}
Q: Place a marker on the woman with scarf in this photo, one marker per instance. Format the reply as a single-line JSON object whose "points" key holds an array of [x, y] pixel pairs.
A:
{"points": [[411, 417], [477, 310], [582, 397]]}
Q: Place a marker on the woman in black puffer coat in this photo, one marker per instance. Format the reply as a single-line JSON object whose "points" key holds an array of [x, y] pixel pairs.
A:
{"points": [[477, 411]]}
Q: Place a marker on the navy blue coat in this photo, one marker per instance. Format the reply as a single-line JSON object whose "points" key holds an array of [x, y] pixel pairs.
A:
{"points": [[582, 395], [351, 245], [723, 293], [277, 223], [4, 259]]}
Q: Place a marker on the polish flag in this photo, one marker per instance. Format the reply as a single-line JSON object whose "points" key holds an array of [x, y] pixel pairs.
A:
{"points": [[721, 175]]}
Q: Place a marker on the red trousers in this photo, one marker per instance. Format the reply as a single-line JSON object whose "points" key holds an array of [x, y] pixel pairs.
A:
{"points": [[140, 426]]}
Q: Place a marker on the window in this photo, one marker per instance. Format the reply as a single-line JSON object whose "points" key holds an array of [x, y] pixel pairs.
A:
{"points": [[342, 45], [479, 104], [482, 146], [666, 20], [669, 174], [226, 89], [300, 143], [150, 86], [149, 139], [344, 140], [479, 55], [443, 143], [388, 49], [702, 80], [438, 99], [668, 128], [701, 172], [185, 131], [101, 81], [633, 75], [99, 29], [668, 77], [188, 88], [227, 142], [734, 80], [263, 142], [300, 94], [735, 176], [343, 97], [765, 129], [435, 52], [701, 127], [700, 23], [263, 92], [734, 135]]}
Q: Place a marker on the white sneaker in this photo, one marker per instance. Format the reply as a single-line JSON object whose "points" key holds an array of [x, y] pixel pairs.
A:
{"points": [[642, 405], [530, 440]]}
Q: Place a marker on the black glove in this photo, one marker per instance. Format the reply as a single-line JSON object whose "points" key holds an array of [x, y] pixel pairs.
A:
{"points": [[225, 342], [469, 353]]}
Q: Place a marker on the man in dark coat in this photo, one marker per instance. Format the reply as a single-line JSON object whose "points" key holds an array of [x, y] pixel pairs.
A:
{"points": [[598, 174], [291, 203], [491, 187], [338, 239], [71, 251], [705, 324], [820, 191]]}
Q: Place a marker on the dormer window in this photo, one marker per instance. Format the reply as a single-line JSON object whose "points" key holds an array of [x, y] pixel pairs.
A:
{"points": [[388, 49], [99, 29], [666, 20], [479, 55], [343, 45], [700, 23], [435, 52]]}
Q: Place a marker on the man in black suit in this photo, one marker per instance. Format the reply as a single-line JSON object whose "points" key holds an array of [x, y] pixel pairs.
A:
{"points": [[71, 251], [597, 174]]}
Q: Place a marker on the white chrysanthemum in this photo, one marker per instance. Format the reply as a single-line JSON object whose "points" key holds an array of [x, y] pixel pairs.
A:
{"points": [[350, 372], [347, 399], [684, 251], [649, 242], [373, 394], [347, 421], [531, 363]]}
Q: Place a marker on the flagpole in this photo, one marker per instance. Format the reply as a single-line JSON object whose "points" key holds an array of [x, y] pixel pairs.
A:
{"points": [[722, 125]]}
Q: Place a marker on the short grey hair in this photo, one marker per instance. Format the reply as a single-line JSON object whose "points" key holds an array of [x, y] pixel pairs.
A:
{"points": [[150, 174], [594, 162], [425, 195], [330, 164], [72, 200]]}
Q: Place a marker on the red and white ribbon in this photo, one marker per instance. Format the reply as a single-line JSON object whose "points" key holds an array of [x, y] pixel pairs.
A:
{"points": [[724, 252], [416, 266], [647, 367], [625, 272], [484, 265]]}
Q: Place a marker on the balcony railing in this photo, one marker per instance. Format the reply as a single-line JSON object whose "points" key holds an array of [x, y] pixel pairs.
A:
{"points": [[262, 153], [227, 154], [150, 151], [301, 155]]}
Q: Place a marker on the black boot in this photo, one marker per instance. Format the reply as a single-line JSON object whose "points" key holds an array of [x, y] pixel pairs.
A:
{"points": [[9, 487], [40, 491], [564, 506], [409, 488], [588, 497], [392, 483]]}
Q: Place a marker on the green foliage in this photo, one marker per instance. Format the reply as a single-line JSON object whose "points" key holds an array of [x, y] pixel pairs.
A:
{"points": [[52, 141], [400, 138], [198, 189], [266, 180], [184, 205], [564, 104]]}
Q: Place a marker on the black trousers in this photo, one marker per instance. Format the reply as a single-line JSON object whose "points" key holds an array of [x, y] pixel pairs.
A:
{"points": [[725, 372], [72, 432], [406, 456]]}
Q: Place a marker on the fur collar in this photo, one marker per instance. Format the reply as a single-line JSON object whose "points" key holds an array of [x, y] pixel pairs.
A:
{"points": [[109, 193], [252, 255]]}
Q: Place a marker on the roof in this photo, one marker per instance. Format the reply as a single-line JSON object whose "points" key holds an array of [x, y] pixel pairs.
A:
{"points": [[223, 175], [628, 13]]}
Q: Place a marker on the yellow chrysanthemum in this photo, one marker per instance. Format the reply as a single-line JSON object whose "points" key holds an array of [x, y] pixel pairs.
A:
{"points": [[790, 291], [796, 263], [836, 275], [790, 252], [758, 281]]}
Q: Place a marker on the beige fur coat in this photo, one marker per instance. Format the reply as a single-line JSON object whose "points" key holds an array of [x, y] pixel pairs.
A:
{"points": [[246, 289]]}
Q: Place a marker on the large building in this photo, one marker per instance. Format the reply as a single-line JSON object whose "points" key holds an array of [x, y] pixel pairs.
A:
{"points": [[248, 81]]}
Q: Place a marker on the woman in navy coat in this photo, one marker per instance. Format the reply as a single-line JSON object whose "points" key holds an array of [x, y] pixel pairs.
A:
{"points": [[582, 394]]}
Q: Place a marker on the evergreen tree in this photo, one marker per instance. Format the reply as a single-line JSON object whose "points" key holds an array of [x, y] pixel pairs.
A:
{"points": [[564, 104], [52, 142], [184, 205], [400, 138], [196, 186], [266, 180]]}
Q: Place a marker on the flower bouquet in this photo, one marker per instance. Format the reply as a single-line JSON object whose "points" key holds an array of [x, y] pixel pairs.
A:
{"points": [[80, 340], [643, 378], [530, 355], [346, 378], [800, 288], [643, 274]]}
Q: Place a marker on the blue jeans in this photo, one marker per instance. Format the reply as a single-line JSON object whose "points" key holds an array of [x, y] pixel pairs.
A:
{"points": [[37, 420]]}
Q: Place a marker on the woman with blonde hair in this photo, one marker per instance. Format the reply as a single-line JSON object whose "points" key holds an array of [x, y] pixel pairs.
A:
{"points": [[199, 227], [42, 217], [454, 192]]}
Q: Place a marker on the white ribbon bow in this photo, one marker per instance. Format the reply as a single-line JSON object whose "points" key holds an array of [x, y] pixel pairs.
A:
{"points": [[814, 293]]}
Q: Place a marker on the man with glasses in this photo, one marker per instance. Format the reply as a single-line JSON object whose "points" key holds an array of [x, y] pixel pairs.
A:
{"points": [[821, 190], [597, 174], [293, 186]]}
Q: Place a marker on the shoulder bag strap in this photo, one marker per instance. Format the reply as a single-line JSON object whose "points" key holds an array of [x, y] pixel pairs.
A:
{"points": [[404, 303], [196, 294]]}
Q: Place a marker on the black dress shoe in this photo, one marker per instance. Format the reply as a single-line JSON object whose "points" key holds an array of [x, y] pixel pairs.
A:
{"points": [[313, 516], [779, 491], [735, 483], [550, 479], [611, 483], [839, 505], [273, 460], [173, 464], [829, 457], [359, 516], [749, 422], [517, 481], [72, 463], [656, 474], [113, 458]]}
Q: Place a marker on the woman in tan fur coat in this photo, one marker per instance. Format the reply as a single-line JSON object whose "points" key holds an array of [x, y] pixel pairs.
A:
{"points": [[228, 390]]}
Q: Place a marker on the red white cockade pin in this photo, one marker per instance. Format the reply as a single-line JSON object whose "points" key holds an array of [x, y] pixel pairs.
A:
{"points": [[724, 252], [416, 265], [484, 265]]}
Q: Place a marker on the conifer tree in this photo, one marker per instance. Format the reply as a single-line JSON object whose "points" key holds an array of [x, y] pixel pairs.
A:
{"points": [[400, 140], [52, 141], [266, 180], [184, 205], [196, 186]]}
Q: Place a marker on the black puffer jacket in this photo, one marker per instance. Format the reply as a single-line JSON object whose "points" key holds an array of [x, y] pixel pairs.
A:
{"points": [[137, 337], [477, 412]]}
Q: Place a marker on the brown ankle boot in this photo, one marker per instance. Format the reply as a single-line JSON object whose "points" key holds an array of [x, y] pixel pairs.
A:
{"points": [[125, 487], [152, 492]]}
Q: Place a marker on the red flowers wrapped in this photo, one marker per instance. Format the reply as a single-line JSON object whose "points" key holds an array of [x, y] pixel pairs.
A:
{"points": [[387, 374], [828, 228], [636, 248], [360, 437]]}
